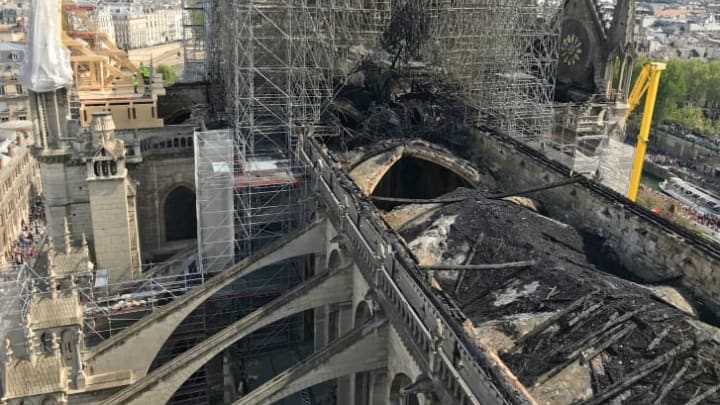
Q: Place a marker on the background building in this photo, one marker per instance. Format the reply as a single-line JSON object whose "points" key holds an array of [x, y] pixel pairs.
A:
{"points": [[137, 27], [14, 103], [19, 184], [104, 23], [19, 172]]}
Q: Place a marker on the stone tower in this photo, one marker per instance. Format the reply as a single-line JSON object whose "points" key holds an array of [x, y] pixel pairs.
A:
{"points": [[112, 203]]}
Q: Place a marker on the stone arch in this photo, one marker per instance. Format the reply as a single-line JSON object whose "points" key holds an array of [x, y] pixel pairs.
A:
{"points": [[417, 178], [151, 332], [178, 117], [432, 165], [46, 342], [324, 289], [67, 344], [363, 313], [335, 259], [48, 401], [396, 396], [367, 389], [179, 214]]}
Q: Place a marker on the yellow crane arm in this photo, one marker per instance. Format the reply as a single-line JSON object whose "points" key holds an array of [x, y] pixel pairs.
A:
{"points": [[647, 84]]}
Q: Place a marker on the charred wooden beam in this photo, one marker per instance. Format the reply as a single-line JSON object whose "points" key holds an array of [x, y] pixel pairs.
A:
{"points": [[557, 184], [705, 395], [576, 355], [637, 375], [469, 260], [673, 381], [609, 325], [554, 318], [419, 200], [480, 267]]}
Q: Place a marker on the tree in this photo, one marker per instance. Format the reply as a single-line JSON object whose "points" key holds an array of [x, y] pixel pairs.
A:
{"points": [[672, 90], [168, 74], [687, 87], [690, 117]]}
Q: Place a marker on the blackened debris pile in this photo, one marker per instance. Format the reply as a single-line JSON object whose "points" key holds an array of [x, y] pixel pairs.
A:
{"points": [[571, 332]]}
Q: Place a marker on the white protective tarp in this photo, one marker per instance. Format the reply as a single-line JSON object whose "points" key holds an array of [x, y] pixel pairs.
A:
{"points": [[47, 62]]}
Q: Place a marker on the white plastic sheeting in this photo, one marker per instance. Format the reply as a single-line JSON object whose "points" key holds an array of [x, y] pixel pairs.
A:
{"points": [[47, 62]]}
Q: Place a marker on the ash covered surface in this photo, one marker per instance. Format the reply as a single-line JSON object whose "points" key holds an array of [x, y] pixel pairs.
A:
{"points": [[566, 327], [610, 331]]}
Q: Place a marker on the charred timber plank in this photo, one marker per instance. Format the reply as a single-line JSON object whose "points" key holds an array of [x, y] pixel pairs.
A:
{"points": [[561, 183], [658, 339], [490, 197], [667, 388], [707, 394], [554, 318], [478, 267], [642, 372], [419, 200], [576, 355], [665, 376], [574, 324], [611, 341], [469, 260], [586, 313], [608, 326]]}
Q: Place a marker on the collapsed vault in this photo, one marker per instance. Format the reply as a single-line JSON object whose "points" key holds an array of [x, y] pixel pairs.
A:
{"points": [[569, 330], [566, 328]]}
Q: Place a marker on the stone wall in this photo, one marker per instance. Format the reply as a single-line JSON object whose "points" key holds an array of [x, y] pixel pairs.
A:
{"points": [[671, 145], [180, 99], [66, 196], [156, 177], [649, 247], [112, 228]]}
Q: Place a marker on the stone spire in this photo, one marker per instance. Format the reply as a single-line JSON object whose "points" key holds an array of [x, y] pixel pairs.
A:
{"points": [[68, 236]]}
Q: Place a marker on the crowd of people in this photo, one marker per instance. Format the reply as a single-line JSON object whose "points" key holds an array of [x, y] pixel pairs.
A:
{"points": [[31, 233], [708, 220], [665, 160], [704, 174]]}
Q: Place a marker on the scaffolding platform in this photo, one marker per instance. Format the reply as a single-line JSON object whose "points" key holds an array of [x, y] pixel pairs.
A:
{"points": [[265, 172]]}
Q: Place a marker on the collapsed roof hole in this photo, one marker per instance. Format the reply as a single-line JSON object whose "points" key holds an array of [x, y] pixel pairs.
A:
{"points": [[416, 178]]}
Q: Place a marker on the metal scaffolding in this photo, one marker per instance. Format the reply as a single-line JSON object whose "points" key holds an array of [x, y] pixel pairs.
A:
{"points": [[503, 55], [194, 40], [276, 65]]}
